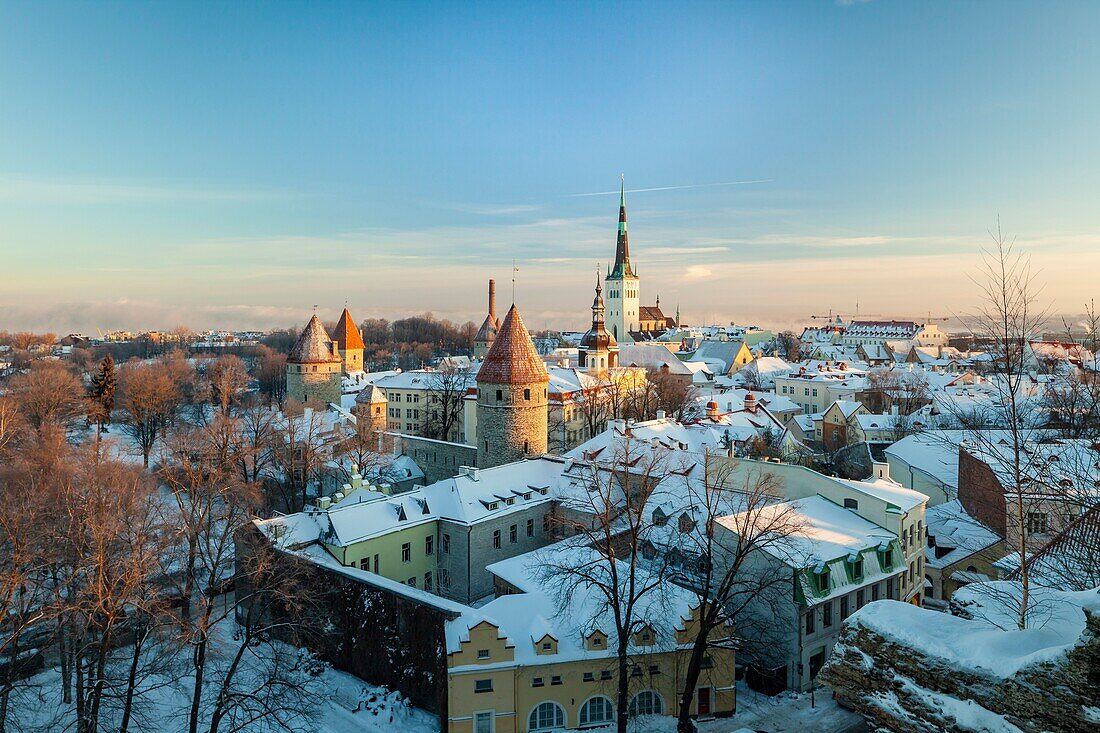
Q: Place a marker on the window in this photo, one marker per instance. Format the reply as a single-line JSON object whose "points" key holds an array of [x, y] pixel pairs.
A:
{"points": [[810, 621], [844, 607], [536, 682], [444, 578], [822, 579], [827, 615], [654, 669], [446, 544], [406, 552], [605, 674], [525, 446], [376, 564], [547, 646], [555, 679], [513, 534], [364, 564], [429, 545], [500, 395], [428, 580], [483, 685], [530, 527], [874, 592], [482, 653], [483, 722], [527, 394], [646, 703], [411, 582], [597, 710], [545, 716], [496, 539], [859, 598], [1038, 523], [851, 504], [589, 677]]}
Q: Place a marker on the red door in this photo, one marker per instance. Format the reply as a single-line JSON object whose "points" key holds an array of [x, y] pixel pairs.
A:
{"points": [[704, 701]]}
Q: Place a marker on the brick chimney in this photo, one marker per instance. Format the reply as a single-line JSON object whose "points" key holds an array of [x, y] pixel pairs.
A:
{"points": [[493, 298]]}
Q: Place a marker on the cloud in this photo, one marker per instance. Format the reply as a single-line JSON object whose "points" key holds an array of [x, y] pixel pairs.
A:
{"points": [[697, 272], [121, 192], [672, 188]]}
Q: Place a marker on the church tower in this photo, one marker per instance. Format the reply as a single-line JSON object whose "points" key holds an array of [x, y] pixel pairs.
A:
{"points": [[598, 350], [489, 327], [349, 342], [512, 397], [622, 284]]}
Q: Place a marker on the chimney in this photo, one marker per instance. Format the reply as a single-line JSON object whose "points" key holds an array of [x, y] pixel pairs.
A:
{"points": [[750, 402], [493, 298], [712, 410], [661, 414]]}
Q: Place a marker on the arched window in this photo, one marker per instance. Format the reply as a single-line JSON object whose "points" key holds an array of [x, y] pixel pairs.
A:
{"points": [[597, 710], [647, 702], [546, 716]]}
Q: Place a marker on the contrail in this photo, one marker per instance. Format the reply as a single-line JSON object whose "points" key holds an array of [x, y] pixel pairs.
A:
{"points": [[673, 188]]}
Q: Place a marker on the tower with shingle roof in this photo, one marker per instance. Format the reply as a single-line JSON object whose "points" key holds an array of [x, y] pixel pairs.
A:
{"points": [[314, 366], [512, 397], [622, 284], [349, 342], [489, 327]]}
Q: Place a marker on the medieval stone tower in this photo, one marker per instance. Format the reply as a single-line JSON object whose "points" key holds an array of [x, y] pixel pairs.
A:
{"points": [[512, 397], [349, 342], [370, 413], [489, 327], [313, 367]]}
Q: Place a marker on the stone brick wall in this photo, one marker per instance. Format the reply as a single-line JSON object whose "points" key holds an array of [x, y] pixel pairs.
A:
{"points": [[980, 493], [438, 459], [322, 386], [513, 427]]}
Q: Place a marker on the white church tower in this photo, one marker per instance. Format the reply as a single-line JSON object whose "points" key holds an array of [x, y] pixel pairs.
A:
{"points": [[622, 285]]}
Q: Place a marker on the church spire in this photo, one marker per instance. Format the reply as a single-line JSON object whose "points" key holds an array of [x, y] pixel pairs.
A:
{"points": [[622, 266]]}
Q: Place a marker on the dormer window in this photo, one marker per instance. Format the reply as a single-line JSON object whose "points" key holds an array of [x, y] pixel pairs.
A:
{"points": [[857, 567], [822, 579]]}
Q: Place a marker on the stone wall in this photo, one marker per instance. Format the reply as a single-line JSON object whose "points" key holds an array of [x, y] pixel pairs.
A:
{"points": [[514, 426], [321, 386], [438, 459], [897, 687], [980, 493]]}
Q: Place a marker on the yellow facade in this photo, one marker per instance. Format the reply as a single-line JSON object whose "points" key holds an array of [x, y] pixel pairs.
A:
{"points": [[386, 553], [485, 683]]}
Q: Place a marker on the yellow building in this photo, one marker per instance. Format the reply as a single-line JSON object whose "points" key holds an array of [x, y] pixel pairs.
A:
{"points": [[516, 665]]}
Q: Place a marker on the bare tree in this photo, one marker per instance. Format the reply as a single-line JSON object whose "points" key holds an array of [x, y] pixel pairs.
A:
{"points": [[789, 346], [732, 599], [228, 379], [150, 399], [49, 395], [1009, 316], [445, 398], [608, 516], [299, 453], [270, 372]]}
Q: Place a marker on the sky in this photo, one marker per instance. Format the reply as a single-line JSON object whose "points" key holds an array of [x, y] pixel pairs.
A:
{"points": [[234, 164]]}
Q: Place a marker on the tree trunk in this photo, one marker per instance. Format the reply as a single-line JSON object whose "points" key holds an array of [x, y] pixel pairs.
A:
{"points": [[131, 681], [199, 659], [621, 701], [691, 679]]}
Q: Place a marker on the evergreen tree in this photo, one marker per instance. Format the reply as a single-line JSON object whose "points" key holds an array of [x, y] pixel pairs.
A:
{"points": [[103, 392]]}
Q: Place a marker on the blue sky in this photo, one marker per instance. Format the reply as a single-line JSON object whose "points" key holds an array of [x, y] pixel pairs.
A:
{"points": [[236, 163]]}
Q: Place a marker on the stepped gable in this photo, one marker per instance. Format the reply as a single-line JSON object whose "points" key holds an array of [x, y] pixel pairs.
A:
{"points": [[313, 346], [513, 358], [346, 334]]}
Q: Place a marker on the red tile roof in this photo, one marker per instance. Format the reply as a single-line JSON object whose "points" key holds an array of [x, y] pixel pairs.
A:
{"points": [[513, 358], [346, 335]]}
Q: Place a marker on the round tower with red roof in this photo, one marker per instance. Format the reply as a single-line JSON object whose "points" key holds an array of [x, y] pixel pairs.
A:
{"points": [[512, 397]]}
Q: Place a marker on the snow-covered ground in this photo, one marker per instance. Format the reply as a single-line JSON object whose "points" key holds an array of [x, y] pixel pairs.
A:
{"points": [[331, 696], [785, 712]]}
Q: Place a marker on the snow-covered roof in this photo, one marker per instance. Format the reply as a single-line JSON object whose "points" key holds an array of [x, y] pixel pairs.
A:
{"points": [[888, 491], [826, 531], [955, 534], [525, 618]]}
